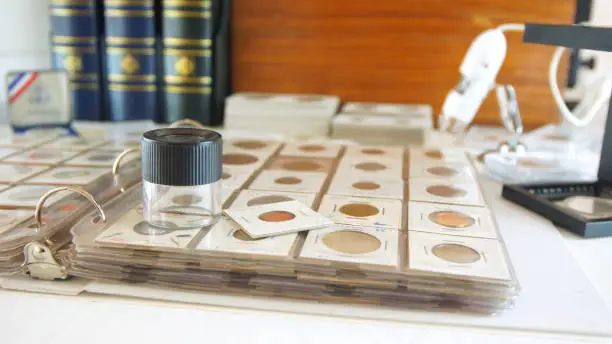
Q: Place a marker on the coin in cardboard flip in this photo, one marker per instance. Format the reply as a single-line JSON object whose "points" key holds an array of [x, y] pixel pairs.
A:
{"points": [[446, 191], [250, 144], [239, 159], [300, 165], [351, 242], [456, 253], [359, 210], [451, 219]]}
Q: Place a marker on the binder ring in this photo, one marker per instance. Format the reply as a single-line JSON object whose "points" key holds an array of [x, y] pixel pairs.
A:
{"points": [[82, 192], [187, 121], [120, 157]]}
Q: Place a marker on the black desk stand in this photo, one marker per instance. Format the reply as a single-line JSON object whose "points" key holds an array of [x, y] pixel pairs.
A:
{"points": [[542, 198]]}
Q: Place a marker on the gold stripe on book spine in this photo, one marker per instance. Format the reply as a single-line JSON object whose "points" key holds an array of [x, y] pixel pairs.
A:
{"points": [[83, 77], [129, 40], [186, 52], [71, 49], [69, 12], [76, 86], [130, 50], [188, 89], [175, 79], [72, 2], [138, 88], [123, 77], [73, 39], [185, 14], [128, 2], [187, 42], [186, 3], [126, 13]]}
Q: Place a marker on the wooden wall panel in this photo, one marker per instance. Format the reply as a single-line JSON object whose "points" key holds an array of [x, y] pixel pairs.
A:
{"points": [[388, 50]]}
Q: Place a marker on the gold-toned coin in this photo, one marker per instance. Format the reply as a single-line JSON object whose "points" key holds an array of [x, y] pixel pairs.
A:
{"points": [[250, 144], [446, 191], [351, 242], [302, 165], [442, 171], [366, 186], [370, 166], [359, 210], [288, 180], [239, 159], [311, 148], [456, 253]]}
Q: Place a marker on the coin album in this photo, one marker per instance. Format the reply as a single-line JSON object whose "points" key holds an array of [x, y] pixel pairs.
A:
{"points": [[377, 225]]}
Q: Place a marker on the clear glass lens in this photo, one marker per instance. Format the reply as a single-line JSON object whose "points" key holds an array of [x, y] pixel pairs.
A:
{"points": [[177, 207]]}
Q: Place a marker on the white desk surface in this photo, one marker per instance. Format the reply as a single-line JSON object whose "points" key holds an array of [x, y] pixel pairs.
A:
{"points": [[567, 297]]}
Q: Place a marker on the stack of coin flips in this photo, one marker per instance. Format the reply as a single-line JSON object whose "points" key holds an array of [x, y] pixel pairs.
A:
{"points": [[405, 228]]}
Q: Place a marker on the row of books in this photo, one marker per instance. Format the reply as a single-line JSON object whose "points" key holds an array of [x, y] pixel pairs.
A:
{"points": [[162, 60]]}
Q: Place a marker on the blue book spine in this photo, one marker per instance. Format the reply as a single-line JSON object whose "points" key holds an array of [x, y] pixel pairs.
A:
{"points": [[187, 54], [131, 66], [75, 48]]}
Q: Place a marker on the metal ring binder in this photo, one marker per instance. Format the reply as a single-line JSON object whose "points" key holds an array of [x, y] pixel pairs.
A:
{"points": [[80, 191], [39, 260], [120, 157], [187, 121]]}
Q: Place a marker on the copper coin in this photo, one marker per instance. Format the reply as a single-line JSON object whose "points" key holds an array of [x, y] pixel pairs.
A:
{"points": [[239, 159], [250, 144], [269, 199], [351, 242], [186, 199], [442, 171], [452, 219], [70, 174], [243, 236], [372, 151], [370, 166], [456, 253], [308, 99], [277, 216], [434, 154], [288, 180], [366, 186], [556, 137], [446, 191], [359, 210], [225, 176], [311, 148], [534, 163], [302, 165]]}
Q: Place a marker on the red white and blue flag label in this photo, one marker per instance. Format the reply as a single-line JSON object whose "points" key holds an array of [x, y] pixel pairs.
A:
{"points": [[20, 83]]}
